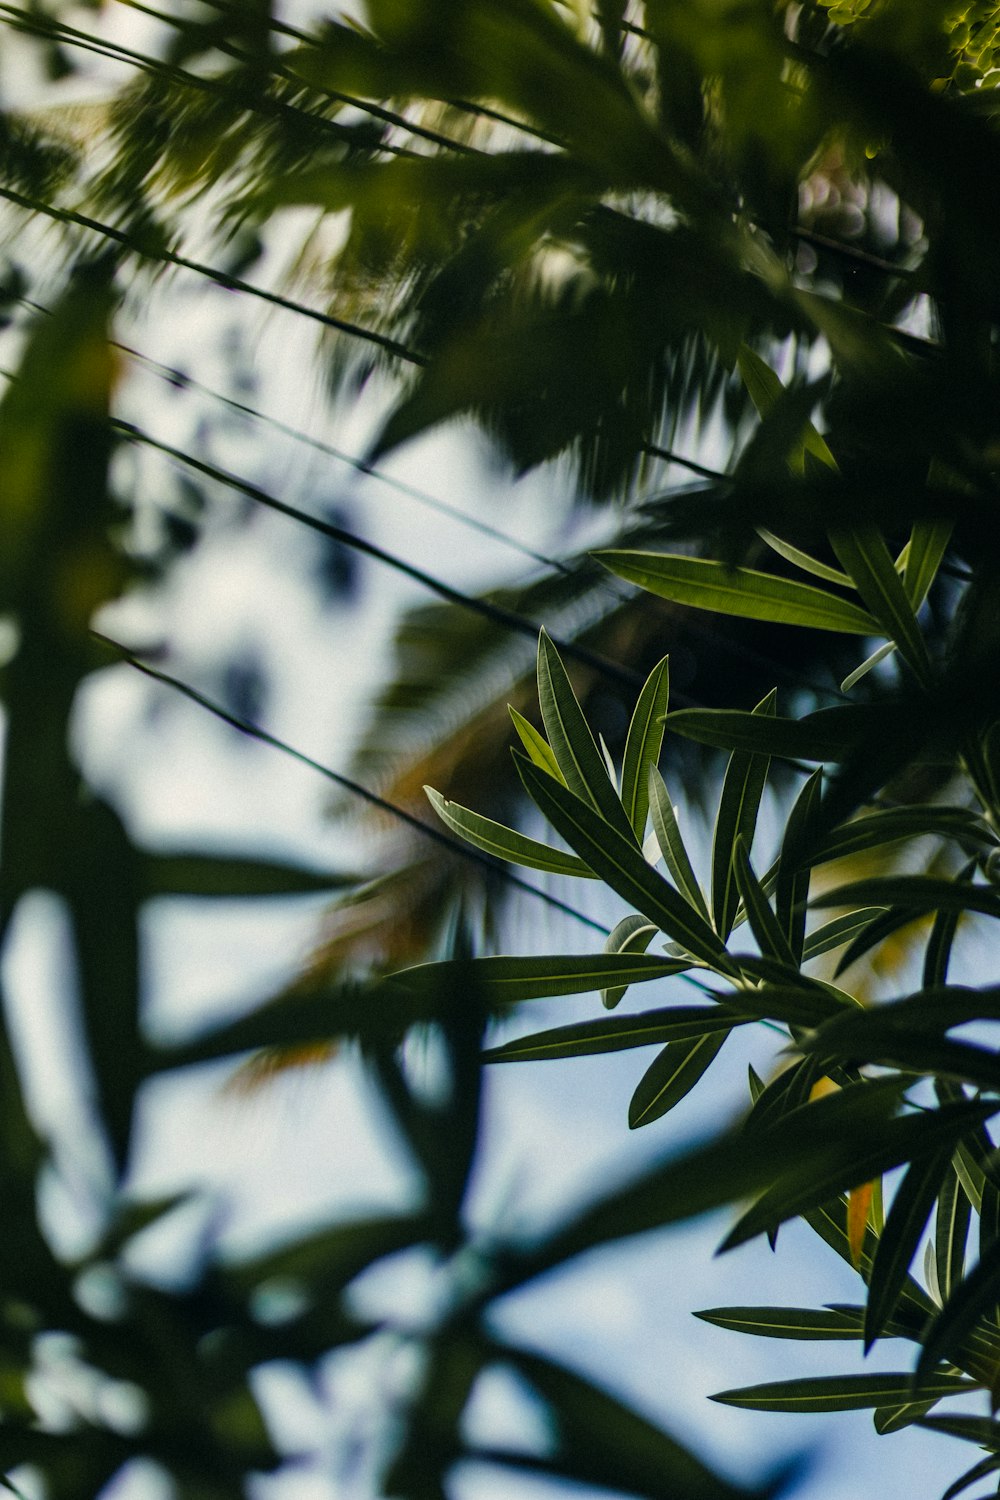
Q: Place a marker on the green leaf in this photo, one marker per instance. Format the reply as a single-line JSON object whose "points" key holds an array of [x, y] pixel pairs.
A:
{"points": [[973, 1299], [874, 829], [911, 1208], [642, 747], [897, 1141], [763, 923], [572, 743], [766, 390], [803, 560], [927, 546], [806, 1004], [505, 980], [224, 876], [671, 1076], [538, 748], [744, 592], [789, 1322], [951, 1231], [983, 1431], [915, 894], [840, 1392], [620, 864], [985, 1466], [866, 558], [633, 934], [889, 1419], [880, 654], [830, 734], [739, 804], [668, 836], [791, 891], [681, 1023], [839, 931], [503, 842]]}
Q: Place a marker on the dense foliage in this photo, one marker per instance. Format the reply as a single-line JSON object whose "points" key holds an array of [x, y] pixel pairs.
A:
{"points": [[597, 235]]}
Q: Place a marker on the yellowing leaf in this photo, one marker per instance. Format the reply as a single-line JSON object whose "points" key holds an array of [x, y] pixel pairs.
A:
{"points": [[858, 1203]]}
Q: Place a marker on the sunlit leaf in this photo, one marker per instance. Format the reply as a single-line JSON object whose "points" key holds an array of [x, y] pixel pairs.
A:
{"points": [[738, 591]]}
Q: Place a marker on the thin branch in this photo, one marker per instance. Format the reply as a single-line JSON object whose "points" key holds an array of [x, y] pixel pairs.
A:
{"points": [[346, 783]]}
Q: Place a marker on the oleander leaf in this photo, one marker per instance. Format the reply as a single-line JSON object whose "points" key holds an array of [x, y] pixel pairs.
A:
{"points": [[901, 1234], [504, 843], [744, 592], [763, 923], [643, 745], [865, 557], [573, 745], [633, 934], [620, 864], [681, 1023], [792, 1322], [536, 745], [671, 1076], [898, 1141], [840, 930], [873, 829], [803, 560], [951, 1232], [925, 552], [668, 836], [973, 1299], [739, 805], [915, 894], [841, 1392], [506, 980]]}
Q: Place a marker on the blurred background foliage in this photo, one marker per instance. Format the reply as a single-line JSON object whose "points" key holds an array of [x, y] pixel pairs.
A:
{"points": [[572, 228]]}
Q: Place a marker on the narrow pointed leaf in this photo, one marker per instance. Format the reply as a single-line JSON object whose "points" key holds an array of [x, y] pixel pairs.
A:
{"points": [[839, 931], [536, 745], [915, 894], [840, 1392], [788, 1322], [872, 830], [763, 923], [869, 664], [791, 891], [897, 1245], [951, 1232], [739, 804], [620, 863], [738, 591], [984, 1431], [973, 1299], [573, 745], [681, 1023], [505, 843], [668, 836], [865, 557], [889, 1419], [804, 560], [505, 980], [927, 547], [985, 1466], [671, 1076], [643, 745], [897, 1141], [633, 934]]}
